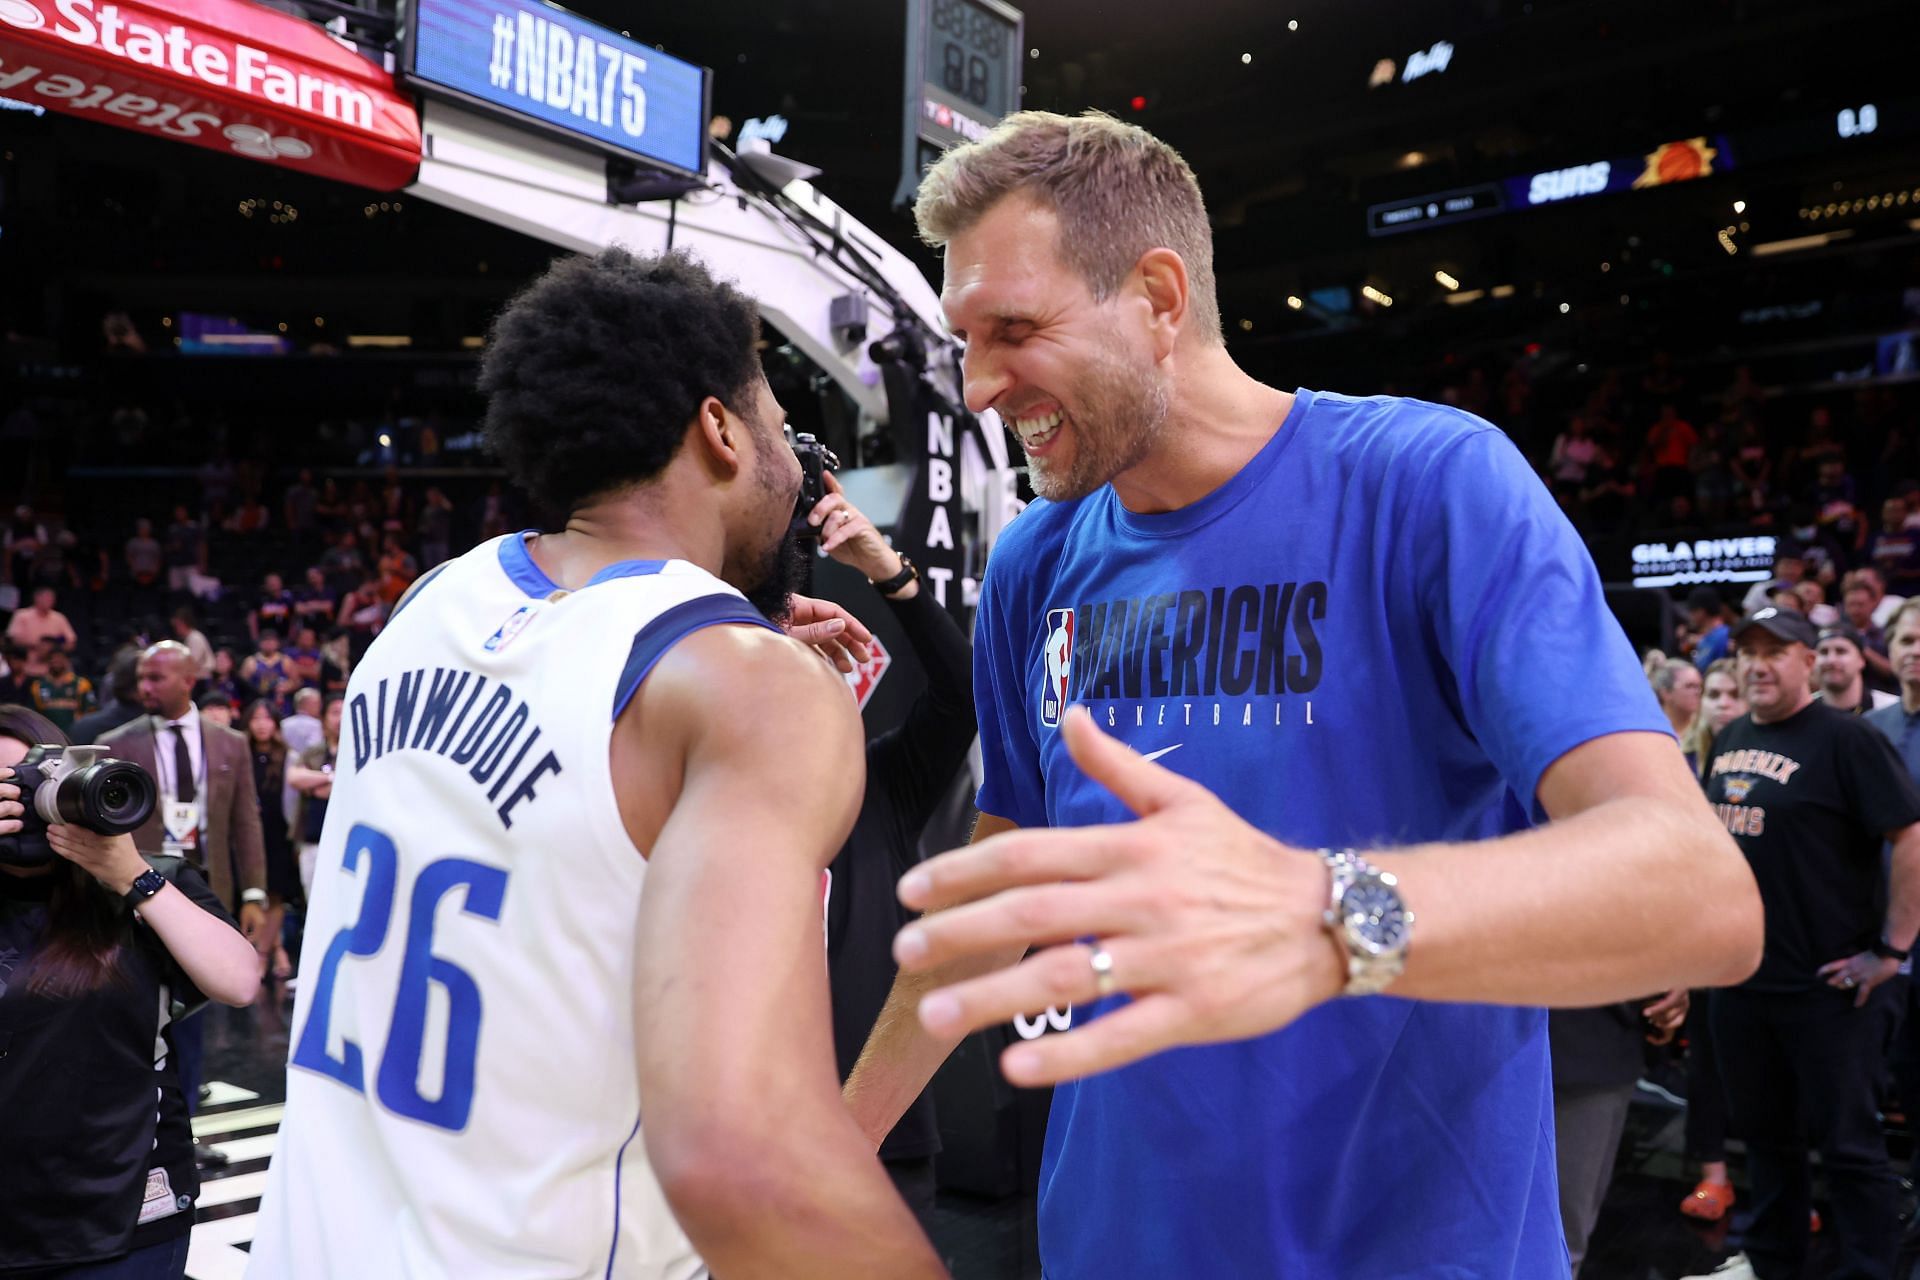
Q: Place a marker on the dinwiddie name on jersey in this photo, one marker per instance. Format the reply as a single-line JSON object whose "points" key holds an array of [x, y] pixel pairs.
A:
{"points": [[491, 735], [1188, 657]]}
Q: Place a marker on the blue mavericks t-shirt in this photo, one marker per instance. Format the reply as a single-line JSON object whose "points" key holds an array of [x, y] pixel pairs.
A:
{"points": [[1380, 632]]}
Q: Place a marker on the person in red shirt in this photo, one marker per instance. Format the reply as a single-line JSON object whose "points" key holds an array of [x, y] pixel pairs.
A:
{"points": [[1670, 444]]}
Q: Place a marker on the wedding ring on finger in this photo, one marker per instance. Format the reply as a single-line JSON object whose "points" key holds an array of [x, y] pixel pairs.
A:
{"points": [[1102, 963]]}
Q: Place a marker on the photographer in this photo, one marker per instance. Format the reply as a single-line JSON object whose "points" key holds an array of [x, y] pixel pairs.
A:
{"points": [[909, 769], [95, 1179]]}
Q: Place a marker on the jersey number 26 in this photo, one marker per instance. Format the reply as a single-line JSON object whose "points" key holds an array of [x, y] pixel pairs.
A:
{"points": [[398, 1083]]}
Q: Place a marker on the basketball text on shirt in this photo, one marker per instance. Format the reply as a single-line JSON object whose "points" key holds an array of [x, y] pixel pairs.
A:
{"points": [[1180, 649]]}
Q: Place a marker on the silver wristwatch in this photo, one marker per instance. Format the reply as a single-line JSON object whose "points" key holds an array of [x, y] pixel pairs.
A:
{"points": [[1368, 919]]}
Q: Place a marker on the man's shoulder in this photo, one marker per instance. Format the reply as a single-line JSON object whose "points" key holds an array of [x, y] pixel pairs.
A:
{"points": [[1040, 527], [1889, 717], [131, 729], [1034, 541], [1823, 717], [1388, 433], [222, 737]]}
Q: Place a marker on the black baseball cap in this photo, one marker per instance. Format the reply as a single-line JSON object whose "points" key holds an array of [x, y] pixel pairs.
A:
{"points": [[1783, 624], [1841, 631]]}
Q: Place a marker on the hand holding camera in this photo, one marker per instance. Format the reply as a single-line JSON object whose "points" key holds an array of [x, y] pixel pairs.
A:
{"points": [[849, 537], [79, 804], [112, 860], [817, 465], [69, 786]]}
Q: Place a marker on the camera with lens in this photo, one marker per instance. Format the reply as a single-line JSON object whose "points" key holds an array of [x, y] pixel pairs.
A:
{"points": [[815, 461], [83, 786]]}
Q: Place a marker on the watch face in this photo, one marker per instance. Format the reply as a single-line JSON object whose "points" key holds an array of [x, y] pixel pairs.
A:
{"points": [[1375, 916]]}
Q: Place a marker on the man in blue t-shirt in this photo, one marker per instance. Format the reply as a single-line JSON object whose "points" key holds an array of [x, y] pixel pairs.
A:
{"points": [[1337, 624], [1707, 615]]}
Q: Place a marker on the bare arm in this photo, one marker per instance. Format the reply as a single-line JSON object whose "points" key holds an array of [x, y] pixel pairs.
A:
{"points": [[308, 781], [1634, 887], [1215, 927], [213, 954], [761, 1163], [1863, 972], [901, 1055]]}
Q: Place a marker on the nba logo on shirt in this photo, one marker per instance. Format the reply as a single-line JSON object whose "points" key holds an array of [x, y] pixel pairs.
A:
{"points": [[1059, 654], [510, 628]]}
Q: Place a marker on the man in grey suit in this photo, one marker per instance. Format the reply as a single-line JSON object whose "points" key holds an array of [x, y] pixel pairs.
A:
{"points": [[208, 812]]}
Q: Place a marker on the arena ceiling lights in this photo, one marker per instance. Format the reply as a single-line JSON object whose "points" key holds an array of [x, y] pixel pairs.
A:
{"points": [[227, 75]]}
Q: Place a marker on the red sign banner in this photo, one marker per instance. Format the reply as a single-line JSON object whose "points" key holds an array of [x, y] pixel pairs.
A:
{"points": [[224, 74]]}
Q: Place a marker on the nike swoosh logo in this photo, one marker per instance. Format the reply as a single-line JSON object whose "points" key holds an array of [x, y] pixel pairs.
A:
{"points": [[1155, 755]]}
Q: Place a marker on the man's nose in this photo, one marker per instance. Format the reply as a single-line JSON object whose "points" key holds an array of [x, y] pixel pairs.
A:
{"points": [[984, 378]]}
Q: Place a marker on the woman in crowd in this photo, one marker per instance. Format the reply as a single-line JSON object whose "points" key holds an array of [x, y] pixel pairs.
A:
{"points": [[97, 1172], [1720, 705], [269, 779]]}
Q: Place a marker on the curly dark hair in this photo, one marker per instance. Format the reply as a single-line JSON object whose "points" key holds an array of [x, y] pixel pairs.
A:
{"points": [[594, 371]]}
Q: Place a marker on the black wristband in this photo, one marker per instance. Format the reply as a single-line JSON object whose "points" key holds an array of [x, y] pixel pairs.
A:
{"points": [[145, 885], [1887, 951], [898, 581]]}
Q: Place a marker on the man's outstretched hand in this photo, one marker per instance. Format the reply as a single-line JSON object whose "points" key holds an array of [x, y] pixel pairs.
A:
{"points": [[1213, 927]]}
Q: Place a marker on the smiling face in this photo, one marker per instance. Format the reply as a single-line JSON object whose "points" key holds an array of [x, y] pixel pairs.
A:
{"points": [[1775, 674], [1074, 377]]}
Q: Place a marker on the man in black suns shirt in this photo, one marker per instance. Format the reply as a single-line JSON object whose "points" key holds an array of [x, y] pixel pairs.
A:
{"points": [[1809, 793]]}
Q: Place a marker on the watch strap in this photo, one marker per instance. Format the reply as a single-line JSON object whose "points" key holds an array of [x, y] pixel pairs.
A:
{"points": [[1887, 951], [145, 885], [898, 581]]}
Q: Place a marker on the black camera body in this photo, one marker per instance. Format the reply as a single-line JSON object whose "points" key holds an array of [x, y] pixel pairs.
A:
{"points": [[83, 786], [815, 461]]}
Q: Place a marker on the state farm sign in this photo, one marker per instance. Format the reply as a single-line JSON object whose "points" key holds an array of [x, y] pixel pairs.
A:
{"points": [[225, 74]]}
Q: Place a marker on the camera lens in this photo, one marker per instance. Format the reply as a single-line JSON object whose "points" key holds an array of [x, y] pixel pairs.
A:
{"points": [[111, 798]]}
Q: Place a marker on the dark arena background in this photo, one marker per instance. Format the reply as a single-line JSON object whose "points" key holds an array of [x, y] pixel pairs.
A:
{"points": [[250, 252]]}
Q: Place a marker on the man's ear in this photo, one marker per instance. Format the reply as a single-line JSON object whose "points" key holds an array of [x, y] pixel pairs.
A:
{"points": [[718, 434], [1162, 280]]}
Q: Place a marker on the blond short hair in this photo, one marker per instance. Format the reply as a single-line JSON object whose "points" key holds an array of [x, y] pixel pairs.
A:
{"points": [[1117, 190]]}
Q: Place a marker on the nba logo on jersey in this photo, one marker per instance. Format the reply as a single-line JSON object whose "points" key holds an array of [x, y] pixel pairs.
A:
{"points": [[512, 627], [1059, 655]]}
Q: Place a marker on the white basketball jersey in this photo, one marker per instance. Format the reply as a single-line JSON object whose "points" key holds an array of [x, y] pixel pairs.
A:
{"points": [[461, 1092]]}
